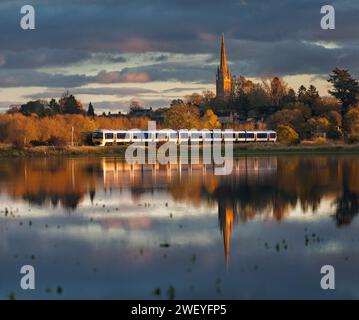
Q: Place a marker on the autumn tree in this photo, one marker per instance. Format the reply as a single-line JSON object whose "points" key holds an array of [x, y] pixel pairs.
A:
{"points": [[182, 116], [276, 89], [292, 118], [210, 120], [351, 124], [287, 135]]}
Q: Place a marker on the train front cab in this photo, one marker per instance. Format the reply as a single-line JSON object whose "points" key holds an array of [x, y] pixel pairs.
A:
{"points": [[98, 138], [272, 136]]}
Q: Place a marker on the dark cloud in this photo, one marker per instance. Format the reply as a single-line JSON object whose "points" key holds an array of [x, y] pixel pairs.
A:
{"points": [[123, 106], [52, 93], [262, 37], [177, 90], [160, 58], [33, 78], [37, 58]]}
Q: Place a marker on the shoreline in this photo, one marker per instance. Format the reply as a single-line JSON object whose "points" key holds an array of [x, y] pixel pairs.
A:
{"points": [[9, 152]]}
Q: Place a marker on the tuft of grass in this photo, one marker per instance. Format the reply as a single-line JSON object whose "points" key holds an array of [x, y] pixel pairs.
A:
{"points": [[171, 292], [12, 296], [157, 291], [165, 245]]}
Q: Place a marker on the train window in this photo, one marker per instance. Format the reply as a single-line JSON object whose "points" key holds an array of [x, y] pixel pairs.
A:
{"points": [[228, 135], [241, 135], [184, 135], [147, 135], [137, 135], [195, 135], [250, 135], [173, 135], [97, 135], [262, 136], [209, 135], [272, 135], [108, 135], [121, 135], [161, 135]]}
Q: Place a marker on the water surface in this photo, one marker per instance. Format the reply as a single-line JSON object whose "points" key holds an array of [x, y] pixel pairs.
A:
{"points": [[99, 228]]}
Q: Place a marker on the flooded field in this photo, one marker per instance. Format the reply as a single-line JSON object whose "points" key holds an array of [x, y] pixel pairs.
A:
{"points": [[100, 228]]}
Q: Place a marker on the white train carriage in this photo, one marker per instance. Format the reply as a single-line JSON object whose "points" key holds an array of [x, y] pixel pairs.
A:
{"points": [[113, 137]]}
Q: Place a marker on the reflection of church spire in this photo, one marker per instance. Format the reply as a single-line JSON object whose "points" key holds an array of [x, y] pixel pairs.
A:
{"points": [[226, 219]]}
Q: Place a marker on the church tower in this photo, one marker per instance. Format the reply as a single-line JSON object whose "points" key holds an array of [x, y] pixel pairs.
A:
{"points": [[223, 78]]}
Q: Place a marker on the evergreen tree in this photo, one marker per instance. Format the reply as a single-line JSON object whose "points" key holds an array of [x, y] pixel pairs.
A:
{"points": [[346, 89], [91, 111]]}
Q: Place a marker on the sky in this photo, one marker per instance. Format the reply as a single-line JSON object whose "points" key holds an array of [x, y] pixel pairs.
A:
{"points": [[112, 52]]}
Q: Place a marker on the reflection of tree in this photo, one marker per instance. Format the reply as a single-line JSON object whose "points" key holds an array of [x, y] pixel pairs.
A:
{"points": [[347, 205], [54, 181], [267, 186]]}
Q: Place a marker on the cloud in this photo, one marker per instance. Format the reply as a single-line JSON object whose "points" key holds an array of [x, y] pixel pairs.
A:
{"points": [[123, 105], [119, 92], [38, 58], [32, 78], [76, 39], [117, 77]]}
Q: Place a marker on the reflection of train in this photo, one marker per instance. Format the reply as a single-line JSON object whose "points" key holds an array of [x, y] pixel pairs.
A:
{"points": [[117, 137], [120, 173]]}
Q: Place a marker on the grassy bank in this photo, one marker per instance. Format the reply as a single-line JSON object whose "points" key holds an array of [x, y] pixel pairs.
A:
{"points": [[7, 151], [83, 151], [296, 149]]}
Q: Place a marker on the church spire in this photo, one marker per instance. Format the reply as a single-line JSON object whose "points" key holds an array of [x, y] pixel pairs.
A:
{"points": [[223, 79], [223, 66]]}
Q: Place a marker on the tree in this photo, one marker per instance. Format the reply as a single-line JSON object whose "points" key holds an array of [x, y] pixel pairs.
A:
{"points": [[346, 89], [287, 135], [195, 99], [55, 107], [277, 89], [38, 107], [292, 118], [91, 111], [351, 124], [135, 106], [182, 116], [69, 104], [210, 120]]}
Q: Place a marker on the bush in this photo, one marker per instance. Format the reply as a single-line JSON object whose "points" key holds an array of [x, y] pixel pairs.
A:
{"points": [[287, 135], [56, 141]]}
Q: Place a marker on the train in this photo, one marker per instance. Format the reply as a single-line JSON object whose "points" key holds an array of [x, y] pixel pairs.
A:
{"points": [[122, 137]]}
